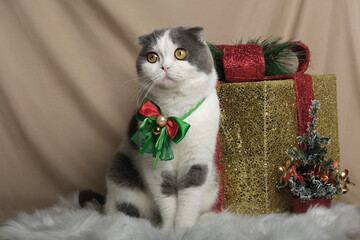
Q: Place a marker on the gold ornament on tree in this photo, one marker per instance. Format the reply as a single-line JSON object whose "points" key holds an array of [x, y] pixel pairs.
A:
{"points": [[345, 180]]}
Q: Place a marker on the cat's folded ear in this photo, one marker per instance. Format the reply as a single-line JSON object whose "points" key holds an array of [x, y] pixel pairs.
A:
{"points": [[198, 32]]}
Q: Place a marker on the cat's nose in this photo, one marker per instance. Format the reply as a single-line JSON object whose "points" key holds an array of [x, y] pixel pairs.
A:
{"points": [[165, 68]]}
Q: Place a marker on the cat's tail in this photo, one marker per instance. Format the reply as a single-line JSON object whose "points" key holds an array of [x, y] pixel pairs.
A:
{"points": [[92, 200]]}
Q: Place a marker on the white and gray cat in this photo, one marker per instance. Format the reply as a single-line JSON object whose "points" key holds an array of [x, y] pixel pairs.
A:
{"points": [[175, 71]]}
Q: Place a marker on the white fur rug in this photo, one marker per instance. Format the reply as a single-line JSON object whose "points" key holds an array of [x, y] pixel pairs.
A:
{"points": [[67, 220]]}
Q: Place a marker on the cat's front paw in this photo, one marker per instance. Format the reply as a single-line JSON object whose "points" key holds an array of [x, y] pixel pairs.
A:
{"points": [[183, 224], [166, 226]]}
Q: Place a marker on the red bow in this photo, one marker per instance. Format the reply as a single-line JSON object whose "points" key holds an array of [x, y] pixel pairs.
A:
{"points": [[294, 173], [149, 109]]}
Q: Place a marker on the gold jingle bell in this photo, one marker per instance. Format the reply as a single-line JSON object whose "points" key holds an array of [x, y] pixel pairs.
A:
{"points": [[157, 130], [161, 120], [345, 180]]}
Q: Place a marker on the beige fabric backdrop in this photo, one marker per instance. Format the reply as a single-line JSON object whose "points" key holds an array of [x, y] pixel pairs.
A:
{"points": [[68, 80]]}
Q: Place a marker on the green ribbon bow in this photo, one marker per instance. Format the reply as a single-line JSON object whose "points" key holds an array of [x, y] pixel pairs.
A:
{"points": [[154, 138]]}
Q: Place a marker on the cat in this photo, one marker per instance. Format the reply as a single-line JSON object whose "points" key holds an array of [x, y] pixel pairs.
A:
{"points": [[176, 72]]}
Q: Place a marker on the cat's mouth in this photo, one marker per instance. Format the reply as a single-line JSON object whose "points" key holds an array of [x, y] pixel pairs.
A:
{"points": [[168, 78], [168, 81]]}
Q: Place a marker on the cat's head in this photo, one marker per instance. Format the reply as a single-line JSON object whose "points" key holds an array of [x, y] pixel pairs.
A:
{"points": [[175, 58]]}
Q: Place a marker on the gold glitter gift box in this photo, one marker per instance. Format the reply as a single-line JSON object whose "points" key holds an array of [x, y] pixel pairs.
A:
{"points": [[259, 122]]}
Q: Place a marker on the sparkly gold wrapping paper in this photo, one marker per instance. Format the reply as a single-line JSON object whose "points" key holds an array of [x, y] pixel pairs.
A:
{"points": [[258, 123]]}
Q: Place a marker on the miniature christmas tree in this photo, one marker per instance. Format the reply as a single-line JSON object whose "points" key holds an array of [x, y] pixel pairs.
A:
{"points": [[309, 175]]}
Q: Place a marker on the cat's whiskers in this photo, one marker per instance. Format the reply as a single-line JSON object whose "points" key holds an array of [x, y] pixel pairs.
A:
{"points": [[149, 90], [146, 88], [143, 80], [136, 79]]}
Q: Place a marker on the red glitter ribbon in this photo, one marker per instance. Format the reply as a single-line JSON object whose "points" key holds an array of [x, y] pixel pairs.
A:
{"points": [[243, 63], [219, 206]]}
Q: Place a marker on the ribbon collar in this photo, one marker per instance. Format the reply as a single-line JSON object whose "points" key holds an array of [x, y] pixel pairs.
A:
{"points": [[156, 130]]}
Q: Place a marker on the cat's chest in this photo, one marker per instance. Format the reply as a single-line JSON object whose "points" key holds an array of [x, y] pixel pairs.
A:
{"points": [[176, 110]]}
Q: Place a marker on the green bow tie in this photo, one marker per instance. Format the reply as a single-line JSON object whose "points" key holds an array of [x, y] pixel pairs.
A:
{"points": [[156, 130]]}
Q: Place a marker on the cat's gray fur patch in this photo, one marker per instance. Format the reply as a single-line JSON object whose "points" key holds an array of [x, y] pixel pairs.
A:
{"points": [[157, 219], [128, 209], [195, 177], [123, 172], [169, 184], [147, 42], [132, 128], [88, 195], [198, 53]]}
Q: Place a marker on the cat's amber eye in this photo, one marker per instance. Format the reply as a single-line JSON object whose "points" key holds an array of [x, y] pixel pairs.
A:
{"points": [[180, 53], [152, 57]]}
